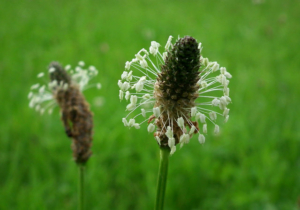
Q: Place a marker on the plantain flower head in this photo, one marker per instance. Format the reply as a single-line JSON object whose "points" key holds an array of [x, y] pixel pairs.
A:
{"points": [[64, 89], [178, 92]]}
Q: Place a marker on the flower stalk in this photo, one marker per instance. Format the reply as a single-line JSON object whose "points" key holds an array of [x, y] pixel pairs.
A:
{"points": [[81, 187], [162, 177]]}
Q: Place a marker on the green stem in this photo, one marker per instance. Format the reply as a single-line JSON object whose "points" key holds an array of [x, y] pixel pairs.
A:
{"points": [[162, 177], [81, 187]]}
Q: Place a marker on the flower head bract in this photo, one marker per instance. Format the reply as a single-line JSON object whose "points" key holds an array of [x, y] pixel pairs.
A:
{"points": [[178, 92]]}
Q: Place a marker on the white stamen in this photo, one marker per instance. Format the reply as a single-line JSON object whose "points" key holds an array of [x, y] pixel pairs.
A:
{"points": [[193, 111], [169, 43], [193, 128], [121, 94], [201, 139], [204, 128], [226, 112], [156, 111], [124, 75], [202, 118], [81, 63], [125, 122], [151, 128], [143, 112], [127, 65], [217, 129], [180, 122], [40, 75], [127, 95], [213, 116]]}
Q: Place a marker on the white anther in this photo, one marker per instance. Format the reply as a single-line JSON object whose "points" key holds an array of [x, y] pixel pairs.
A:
{"points": [[217, 129], [42, 89], [180, 122], [215, 66], [143, 63], [133, 99], [203, 84], [200, 47], [136, 126], [201, 139], [125, 122], [125, 86], [169, 43], [139, 86], [156, 111], [173, 149], [205, 61], [81, 63], [223, 101], [226, 119], [171, 142], [127, 95], [204, 128], [223, 70], [226, 112], [213, 115], [40, 75], [130, 107], [67, 67], [169, 132], [202, 118], [127, 65], [228, 75], [197, 116], [121, 94], [226, 91], [184, 139], [193, 111], [120, 84], [146, 96], [143, 112], [154, 47], [131, 122], [52, 69], [35, 86], [193, 128], [129, 76], [215, 102], [124, 75], [228, 99], [30, 94], [151, 128]]}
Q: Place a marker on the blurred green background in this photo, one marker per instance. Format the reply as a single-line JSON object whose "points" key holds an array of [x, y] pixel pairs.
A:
{"points": [[253, 164]]}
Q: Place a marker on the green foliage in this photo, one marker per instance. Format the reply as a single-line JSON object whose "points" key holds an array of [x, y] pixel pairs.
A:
{"points": [[253, 164]]}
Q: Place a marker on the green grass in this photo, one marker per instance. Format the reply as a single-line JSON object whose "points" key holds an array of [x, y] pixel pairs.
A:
{"points": [[253, 164]]}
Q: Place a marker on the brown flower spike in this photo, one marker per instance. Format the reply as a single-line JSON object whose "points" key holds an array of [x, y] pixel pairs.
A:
{"points": [[65, 89], [75, 112]]}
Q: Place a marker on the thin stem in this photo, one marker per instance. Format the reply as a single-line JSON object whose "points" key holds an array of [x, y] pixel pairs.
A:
{"points": [[81, 187], [162, 177]]}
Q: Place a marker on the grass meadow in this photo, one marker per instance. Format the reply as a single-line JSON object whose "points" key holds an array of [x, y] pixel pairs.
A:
{"points": [[253, 164]]}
